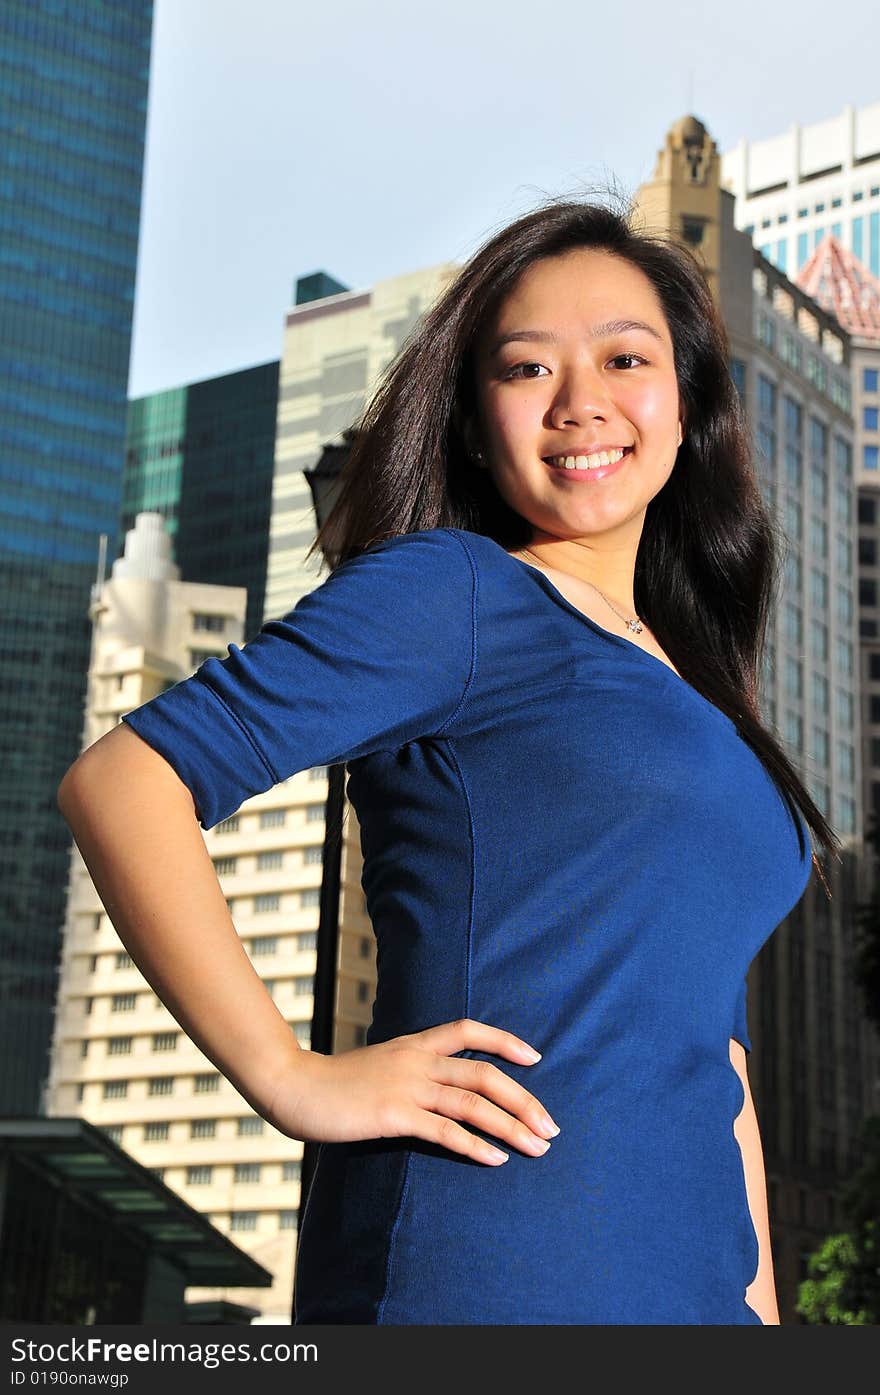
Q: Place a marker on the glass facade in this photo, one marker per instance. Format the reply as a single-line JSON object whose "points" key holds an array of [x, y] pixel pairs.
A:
{"points": [[73, 99], [204, 457]]}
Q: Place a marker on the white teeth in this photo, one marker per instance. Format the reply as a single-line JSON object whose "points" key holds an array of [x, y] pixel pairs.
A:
{"points": [[588, 462]]}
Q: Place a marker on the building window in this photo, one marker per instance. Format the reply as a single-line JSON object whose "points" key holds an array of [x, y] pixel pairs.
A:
{"points": [[247, 1172], [314, 813], [206, 1084], [243, 1220], [115, 1089], [287, 1220], [273, 818], [114, 1132], [819, 589], [249, 1125], [820, 694], [225, 866], [213, 624], [303, 985], [363, 991], [311, 896], [870, 457], [365, 947], [846, 760], [165, 1041], [229, 825], [264, 944], [271, 901], [766, 396], [360, 1035], [161, 1085], [155, 1132], [265, 860], [867, 508], [124, 960], [794, 730], [118, 1046], [303, 1033], [314, 853], [820, 745], [869, 418], [203, 1128], [867, 552], [291, 1171], [306, 939], [869, 379], [200, 1176], [318, 772], [123, 1002], [867, 592]]}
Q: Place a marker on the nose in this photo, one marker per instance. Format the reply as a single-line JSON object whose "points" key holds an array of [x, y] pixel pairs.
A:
{"points": [[582, 395]]}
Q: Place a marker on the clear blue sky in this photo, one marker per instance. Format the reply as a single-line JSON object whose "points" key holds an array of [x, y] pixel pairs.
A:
{"points": [[372, 139]]}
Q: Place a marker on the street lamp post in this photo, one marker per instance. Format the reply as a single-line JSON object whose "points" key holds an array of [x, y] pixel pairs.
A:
{"points": [[323, 482]]}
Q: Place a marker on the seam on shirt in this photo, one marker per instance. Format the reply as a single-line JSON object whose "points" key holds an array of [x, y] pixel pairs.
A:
{"points": [[472, 899], [392, 1242], [276, 779], [392, 1239], [473, 664]]}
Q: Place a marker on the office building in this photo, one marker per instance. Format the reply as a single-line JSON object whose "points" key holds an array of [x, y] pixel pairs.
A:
{"points": [[813, 1067], [119, 1058], [794, 188], [203, 457], [73, 99]]}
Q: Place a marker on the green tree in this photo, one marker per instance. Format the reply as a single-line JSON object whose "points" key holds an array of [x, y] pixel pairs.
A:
{"points": [[843, 1283]]}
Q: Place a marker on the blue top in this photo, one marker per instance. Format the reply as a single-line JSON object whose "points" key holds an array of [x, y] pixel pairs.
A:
{"points": [[561, 838]]}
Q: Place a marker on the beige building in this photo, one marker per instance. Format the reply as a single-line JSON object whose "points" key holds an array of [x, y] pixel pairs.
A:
{"points": [[119, 1059], [333, 355], [815, 1065]]}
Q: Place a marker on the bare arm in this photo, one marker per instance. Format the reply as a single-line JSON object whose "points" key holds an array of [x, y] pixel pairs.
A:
{"points": [[761, 1292], [135, 824], [136, 827]]}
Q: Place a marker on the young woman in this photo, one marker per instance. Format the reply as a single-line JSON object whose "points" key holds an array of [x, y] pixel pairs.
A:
{"points": [[537, 651]]}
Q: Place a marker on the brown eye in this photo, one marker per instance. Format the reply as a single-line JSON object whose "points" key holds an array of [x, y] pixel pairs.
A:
{"points": [[518, 370], [637, 357]]}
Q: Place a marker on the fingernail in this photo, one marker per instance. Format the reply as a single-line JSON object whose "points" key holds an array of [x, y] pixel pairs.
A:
{"points": [[531, 1053], [550, 1126], [497, 1154]]}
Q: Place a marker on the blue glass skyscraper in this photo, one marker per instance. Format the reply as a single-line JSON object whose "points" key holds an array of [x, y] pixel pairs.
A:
{"points": [[74, 77]]}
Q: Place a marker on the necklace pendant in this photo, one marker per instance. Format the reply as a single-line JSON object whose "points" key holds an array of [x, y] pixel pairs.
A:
{"points": [[636, 626]]}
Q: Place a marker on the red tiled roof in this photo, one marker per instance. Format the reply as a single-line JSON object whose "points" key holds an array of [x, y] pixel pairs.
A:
{"points": [[840, 283]]}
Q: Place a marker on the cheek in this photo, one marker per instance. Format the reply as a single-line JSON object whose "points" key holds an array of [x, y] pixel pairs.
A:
{"points": [[655, 407], [512, 419]]}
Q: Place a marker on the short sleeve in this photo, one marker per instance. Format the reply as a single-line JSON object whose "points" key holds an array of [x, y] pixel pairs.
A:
{"points": [[740, 1022], [379, 654]]}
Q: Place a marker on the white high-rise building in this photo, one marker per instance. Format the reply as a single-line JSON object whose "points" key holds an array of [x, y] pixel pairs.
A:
{"points": [[119, 1059], [793, 188]]}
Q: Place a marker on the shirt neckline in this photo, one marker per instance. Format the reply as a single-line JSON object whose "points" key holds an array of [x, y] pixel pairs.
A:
{"points": [[641, 654]]}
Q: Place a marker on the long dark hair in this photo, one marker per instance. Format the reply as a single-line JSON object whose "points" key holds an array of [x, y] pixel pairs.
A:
{"points": [[708, 566]]}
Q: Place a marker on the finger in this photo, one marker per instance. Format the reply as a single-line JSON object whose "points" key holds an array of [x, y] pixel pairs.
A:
{"points": [[436, 1128], [455, 1103], [467, 1035], [486, 1079]]}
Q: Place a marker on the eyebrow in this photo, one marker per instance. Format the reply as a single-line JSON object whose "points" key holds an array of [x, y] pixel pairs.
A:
{"points": [[603, 331]]}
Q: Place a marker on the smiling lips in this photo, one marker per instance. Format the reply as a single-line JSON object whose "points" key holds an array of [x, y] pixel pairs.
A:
{"points": [[601, 460]]}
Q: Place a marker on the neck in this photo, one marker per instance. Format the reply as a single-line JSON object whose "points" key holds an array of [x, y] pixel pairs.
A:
{"points": [[610, 570]]}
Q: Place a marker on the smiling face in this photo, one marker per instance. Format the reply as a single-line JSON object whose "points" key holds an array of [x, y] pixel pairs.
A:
{"points": [[570, 383]]}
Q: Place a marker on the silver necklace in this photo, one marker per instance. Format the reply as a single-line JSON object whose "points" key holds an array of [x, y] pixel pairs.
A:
{"points": [[635, 625]]}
